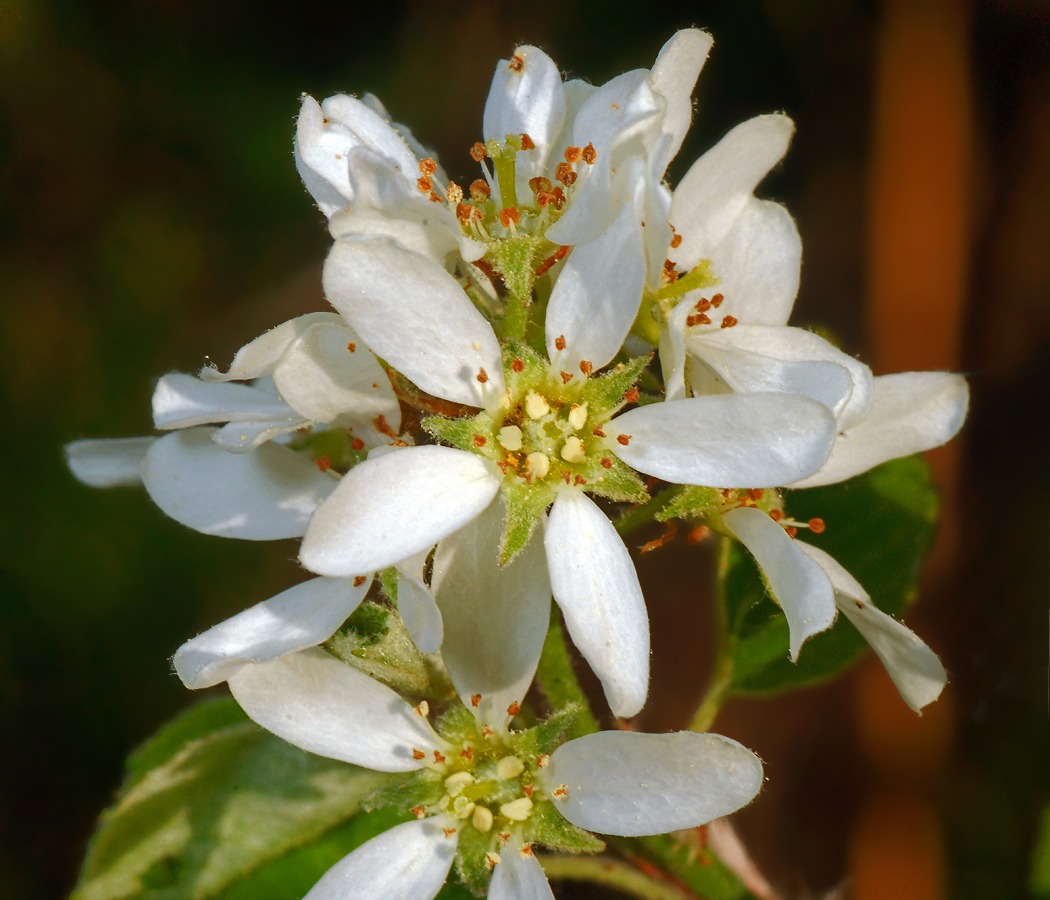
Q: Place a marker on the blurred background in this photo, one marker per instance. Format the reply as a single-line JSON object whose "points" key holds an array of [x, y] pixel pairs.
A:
{"points": [[150, 215]]}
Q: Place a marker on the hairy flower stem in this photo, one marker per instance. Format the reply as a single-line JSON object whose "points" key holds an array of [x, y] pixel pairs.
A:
{"points": [[722, 676], [557, 677], [517, 318], [638, 516], [611, 873]]}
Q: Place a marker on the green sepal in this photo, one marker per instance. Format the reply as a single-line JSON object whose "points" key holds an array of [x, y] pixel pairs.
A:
{"points": [[460, 433], [388, 581], [457, 724], [691, 503], [546, 826], [545, 738], [335, 444], [619, 483], [604, 392], [534, 368], [406, 791], [389, 655], [470, 859], [525, 504]]}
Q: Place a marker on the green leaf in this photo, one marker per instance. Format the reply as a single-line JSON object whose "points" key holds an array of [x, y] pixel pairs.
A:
{"points": [[209, 801], [878, 526]]}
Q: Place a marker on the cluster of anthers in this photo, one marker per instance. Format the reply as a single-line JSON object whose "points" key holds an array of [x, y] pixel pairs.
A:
{"points": [[487, 786], [770, 503]]}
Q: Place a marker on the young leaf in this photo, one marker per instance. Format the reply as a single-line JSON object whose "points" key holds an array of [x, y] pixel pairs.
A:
{"points": [[211, 799], [878, 526]]}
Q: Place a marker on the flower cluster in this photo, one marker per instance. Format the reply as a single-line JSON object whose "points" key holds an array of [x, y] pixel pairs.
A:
{"points": [[440, 441]]}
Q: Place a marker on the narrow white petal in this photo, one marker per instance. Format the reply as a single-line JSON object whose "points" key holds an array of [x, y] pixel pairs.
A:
{"points": [[801, 587], [746, 372], [394, 505], [317, 158], [913, 666], [495, 618], [625, 783], [260, 496], [717, 187], [242, 437], [518, 877], [372, 130], [420, 613], [258, 358], [672, 353], [577, 92], [596, 297], [597, 588], [796, 345], [673, 77], [180, 401], [415, 315], [324, 381], [300, 617], [109, 462], [408, 862], [318, 703], [737, 440], [910, 412], [526, 97]]}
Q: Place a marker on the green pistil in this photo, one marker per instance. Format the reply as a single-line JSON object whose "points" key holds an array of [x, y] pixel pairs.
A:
{"points": [[700, 277], [480, 790], [503, 159]]}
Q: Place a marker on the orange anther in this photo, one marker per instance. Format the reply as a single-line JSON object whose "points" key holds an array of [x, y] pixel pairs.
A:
{"points": [[623, 439], [418, 811], [478, 152], [606, 462], [427, 166], [539, 183], [514, 708], [564, 173], [578, 480], [566, 377], [703, 304], [728, 321], [448, 832], [716, 300], [351, 346], [552, 259], [479, 190], [487, 732], [756, 494], [816, 525], [697, 534], [566, 477], [517, 365], [359, 580], [434, 197], [463, 211], [676, 241], [573, 154], [480, 440], [467, 752], [559, 342], [517, 63], [528, 789], [357, 444], [589, 154], [586, 366], [509, 214], [381, 425], [598, 432], [454, 193], [776, 515], [791, 531], [323, 463], [482, 376], [439, 757], [418, 754], [527, 143], [425, 185], [632, 395], [559, 198], [475, 699], [670, 531]]}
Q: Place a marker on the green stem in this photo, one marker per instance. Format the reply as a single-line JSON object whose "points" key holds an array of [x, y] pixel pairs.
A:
{"points": [[638, 516], [557, 677], [722, 676], [517, 319], [611, 873], [687, 861]]}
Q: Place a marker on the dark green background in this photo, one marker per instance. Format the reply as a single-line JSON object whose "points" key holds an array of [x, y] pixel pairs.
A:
{"points": [[150, 214]]}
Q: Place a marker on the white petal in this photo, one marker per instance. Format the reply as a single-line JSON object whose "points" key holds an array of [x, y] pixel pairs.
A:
{"points": [[914, 667], [739, 440], [324, 706], [673, 77], [749, 372], [801, 587], [242, 437], [597, 588], [796, 350], [300, 617], [596, 297], [577, 92], [420, 613], [371, 129], [526, 98], [180, 401], [495, 618], [259, 357], [323, 381], [110, 462], [518, 877], [625, 783], [910, 412], [317, 158], [392, 506], [405, 133], [415, 315], [758, 264], [672, 353], [260, 496], [408, 862], [717, 187]]}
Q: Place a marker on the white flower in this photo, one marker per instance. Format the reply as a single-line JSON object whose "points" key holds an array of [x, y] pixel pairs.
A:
{"points": [[811, 587], [738, 338], [417, 317], [310, 371]]}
